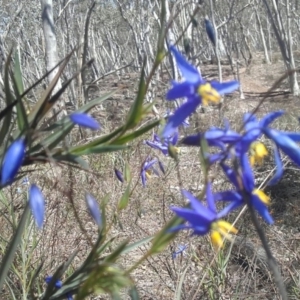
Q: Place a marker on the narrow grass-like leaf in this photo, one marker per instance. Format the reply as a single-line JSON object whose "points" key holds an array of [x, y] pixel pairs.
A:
{"points": [[131, 136], [8, 257], [9, 100], [64, 126], [163, 238], [127, 172], [98, 149], [137, 244], [125, 198], [136, 111]]}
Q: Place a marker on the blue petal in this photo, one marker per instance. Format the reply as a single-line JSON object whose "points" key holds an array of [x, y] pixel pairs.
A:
{"points": [[184, 111], [292, 135], [225, 87], [231, 175], [202, 224], [158, 146], [248, 177], [199, 208], [93, 208], [13, 160], [188, 71], [37, 205], [180, 90], [192, 140], [143, 175], [286, 144], [149, 164], [84, 120], [227, 209], [210, 199], [269, 118], [279, 168], [175, 138], [228, 196], [262, 209], [119, 175]]}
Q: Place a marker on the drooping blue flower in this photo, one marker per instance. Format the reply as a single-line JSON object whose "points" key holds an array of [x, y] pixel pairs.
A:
{"points": [[84, 120], [163, 144], [181, 249], [13, 160], [195, 89], [147, 169], [202, 219], [37, 205], [119, 175], [93, 208], [210, 31]]}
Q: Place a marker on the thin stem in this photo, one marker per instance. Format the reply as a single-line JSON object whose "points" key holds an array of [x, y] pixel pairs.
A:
{"points": [[270, 258]]}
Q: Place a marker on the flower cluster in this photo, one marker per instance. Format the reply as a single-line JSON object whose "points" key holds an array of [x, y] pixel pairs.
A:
{"points": [[237, 154]]}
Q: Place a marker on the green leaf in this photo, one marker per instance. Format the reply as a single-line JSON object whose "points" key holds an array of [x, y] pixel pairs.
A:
{"points": [[163, 238], [8, 257], [127, 173], [136, 112], [125, 198], [131, 136], [136, 245], [9, 100], [98, 149]]}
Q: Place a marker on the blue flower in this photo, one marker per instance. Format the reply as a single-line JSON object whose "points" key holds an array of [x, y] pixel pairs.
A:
{"points": [[243, 180], [37, 205], [147, 169], [203, 220], [181, 249], [163, 145], [195, 89], [119, 175], [84, 120], [13, 160], [210, 31], [58, 284], [93, 208]]}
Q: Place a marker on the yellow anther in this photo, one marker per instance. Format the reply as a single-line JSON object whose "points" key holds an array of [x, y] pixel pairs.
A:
{"points": [[216, 239], [220, 230], [257, 153], [148, 174], [177, 149], [262, 196], [208, 94]]}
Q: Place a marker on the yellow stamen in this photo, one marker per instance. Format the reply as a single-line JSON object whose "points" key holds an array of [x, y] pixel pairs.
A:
{"points": [[216, 239], [257, 153], [148, 174], [208, 93], [221, 230], [226, 227], [262, 196], [177, 150]]}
